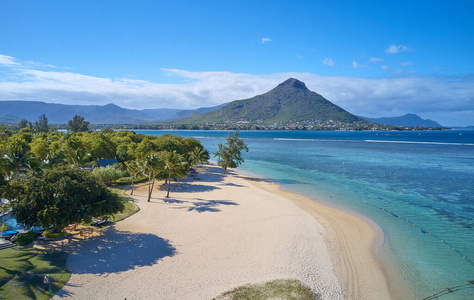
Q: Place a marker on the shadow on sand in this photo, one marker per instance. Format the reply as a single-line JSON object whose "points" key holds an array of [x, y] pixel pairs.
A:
{"points": [[116, 251], [183, 187]]}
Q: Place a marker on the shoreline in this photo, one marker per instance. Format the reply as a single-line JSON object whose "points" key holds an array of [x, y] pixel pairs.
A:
{"points": [[352, 241], [222, 232]]}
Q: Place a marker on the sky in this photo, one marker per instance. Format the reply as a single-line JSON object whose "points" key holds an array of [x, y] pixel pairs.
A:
{"points": [[375, 58]]}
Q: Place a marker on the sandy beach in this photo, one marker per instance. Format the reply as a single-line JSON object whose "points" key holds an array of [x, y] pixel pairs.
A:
{"points": [[220, 232]]}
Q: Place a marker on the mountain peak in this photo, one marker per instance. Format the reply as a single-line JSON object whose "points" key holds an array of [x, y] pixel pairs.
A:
{"points": [[293, 83]]}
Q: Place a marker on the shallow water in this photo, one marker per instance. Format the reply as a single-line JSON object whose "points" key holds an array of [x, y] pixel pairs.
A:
{"points": [[417, 186]]}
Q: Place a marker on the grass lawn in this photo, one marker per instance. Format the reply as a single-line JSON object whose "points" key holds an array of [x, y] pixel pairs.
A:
{"points": [[22, 271], [130, 209], [278, 289]]}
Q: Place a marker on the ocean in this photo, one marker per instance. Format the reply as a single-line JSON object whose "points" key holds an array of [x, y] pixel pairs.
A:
{"points": [[418, 187]]}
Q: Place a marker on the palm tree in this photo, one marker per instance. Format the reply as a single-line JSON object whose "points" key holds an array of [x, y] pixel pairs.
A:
{"points": [[18, 160], [198, 155], [133, 167], [175, 165], [78, 158], [35, 167], [150, 164]]}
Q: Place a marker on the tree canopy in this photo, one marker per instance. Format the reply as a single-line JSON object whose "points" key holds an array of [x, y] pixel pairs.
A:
{"points": [[77, 124], [230, 153], [62, 196]]}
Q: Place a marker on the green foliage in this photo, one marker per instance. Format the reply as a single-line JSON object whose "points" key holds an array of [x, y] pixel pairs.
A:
{"points": [[230, 153], [175, 166], [50, 234], [277, 289], [77, 124], [42, 124], [23, 269], [25, 238], [128, 180], [100, 146], [61, 197], [109, 174]]}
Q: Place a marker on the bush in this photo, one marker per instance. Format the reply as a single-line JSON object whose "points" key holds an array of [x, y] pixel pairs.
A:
{"points": [[49, 234], [108, 174], [25, 238], [128, 180]]}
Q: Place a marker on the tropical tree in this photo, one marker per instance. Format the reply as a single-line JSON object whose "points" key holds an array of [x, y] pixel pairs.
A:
{"points": [[133, 167], [78, 124], [24, 123], [62, 196], [198, 155], [152, 163], [230, 153], [175, 165], [18, 153], [42, 124]]}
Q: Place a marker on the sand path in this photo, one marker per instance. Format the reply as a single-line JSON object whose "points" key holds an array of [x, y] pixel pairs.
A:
{"points": [[208, 237]]}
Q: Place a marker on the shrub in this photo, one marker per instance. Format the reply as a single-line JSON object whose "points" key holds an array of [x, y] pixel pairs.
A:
{"points": [[108, 174], [25, 238], [49, 234]]}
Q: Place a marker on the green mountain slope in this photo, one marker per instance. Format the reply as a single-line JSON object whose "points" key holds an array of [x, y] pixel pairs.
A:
{"points": [[289, 101]]}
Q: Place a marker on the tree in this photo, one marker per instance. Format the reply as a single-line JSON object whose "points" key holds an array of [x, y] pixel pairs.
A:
{"points": [[42, 124], [198, 155], [77, 124], [176, 166], [152, 163], [24, 123], [62, 196], [133, 167], [230, 154], [18, 152]]}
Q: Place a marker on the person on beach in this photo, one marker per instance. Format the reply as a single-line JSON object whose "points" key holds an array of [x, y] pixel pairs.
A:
{"points": [[47, 283]]}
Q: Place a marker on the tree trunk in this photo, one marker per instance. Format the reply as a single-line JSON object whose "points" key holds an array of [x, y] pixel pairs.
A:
{"points": [[149, 185], [169, 182], [225, 170], [132, 187], [195, 174]]}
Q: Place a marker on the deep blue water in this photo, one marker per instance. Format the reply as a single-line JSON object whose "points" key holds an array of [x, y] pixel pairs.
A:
{"points": [[417, 186]]}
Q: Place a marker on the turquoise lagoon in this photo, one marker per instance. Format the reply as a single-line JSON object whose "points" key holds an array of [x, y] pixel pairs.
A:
{"points": [[418, 187]]}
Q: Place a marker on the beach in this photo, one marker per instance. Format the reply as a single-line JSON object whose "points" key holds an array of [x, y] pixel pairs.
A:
{"points": [[220, 232]]}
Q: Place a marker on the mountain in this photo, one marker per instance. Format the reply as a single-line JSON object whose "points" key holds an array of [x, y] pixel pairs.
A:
{"points": [[289, 101], [14, 111], [410, 120], [9, 119]]}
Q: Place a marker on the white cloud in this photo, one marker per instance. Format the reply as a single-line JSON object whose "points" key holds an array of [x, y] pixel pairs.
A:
{"points": [[406, 63], [394, 49], [447, 100], [6, 60], [395, 71], [329, 62], [359, 66], [264, 40], [375, 59]]}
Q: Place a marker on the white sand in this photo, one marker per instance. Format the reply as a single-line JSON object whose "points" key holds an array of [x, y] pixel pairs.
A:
{"points": [[210, 236]]}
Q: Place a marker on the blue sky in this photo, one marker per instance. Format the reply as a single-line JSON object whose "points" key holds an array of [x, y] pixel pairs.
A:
{"points": [[373, 58]]}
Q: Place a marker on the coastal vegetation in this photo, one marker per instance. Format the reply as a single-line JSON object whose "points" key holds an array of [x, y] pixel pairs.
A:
{"points": [[229, 154], [277, 289], [23, 269], [52, 179]]}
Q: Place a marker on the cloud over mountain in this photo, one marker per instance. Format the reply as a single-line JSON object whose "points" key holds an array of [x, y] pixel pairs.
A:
{"points": [[448, 100]]}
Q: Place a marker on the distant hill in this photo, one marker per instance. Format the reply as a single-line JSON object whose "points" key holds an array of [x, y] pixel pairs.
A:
{"points": [[289, 101], [14, 111], [410, 120], [9, 119]]}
